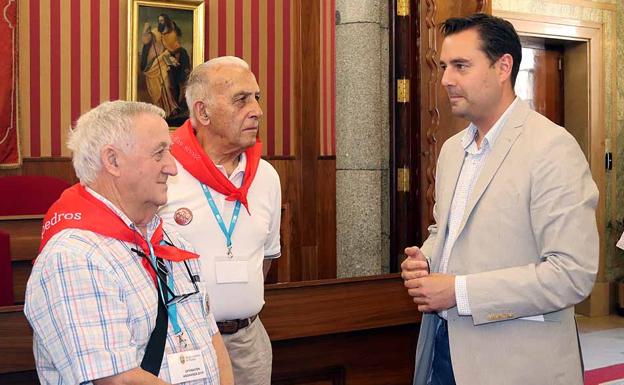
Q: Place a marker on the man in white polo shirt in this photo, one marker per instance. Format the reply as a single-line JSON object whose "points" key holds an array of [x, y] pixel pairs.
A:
{"points": [[226, 201]]}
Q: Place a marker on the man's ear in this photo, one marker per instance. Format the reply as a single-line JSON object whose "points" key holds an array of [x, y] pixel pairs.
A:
{"points": [[505, 66], [110, 160], [201, 113]]}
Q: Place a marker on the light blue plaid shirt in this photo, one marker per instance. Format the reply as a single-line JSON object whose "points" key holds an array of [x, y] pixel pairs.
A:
{"points": [[92, 306]]}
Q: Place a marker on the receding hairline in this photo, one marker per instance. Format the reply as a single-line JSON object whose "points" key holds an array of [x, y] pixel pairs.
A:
{"points": [[213, 71]]}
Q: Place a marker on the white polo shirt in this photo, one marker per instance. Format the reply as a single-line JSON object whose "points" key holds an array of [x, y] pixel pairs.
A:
{"points": [[235, 285]]}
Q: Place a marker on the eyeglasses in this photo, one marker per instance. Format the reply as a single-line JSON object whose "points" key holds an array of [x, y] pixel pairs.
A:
{"points": [[162, 272]]}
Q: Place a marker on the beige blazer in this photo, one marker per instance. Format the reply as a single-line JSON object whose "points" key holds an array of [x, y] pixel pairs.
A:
{"points": [[528, 244]]}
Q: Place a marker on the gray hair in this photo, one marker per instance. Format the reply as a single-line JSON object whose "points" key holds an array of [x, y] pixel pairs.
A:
{"points": [[109, 123], [201, 79]]}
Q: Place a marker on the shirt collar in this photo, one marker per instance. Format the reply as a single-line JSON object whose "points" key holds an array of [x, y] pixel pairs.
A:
{"points": [[151, 226], [242, 163], [468, 141]]}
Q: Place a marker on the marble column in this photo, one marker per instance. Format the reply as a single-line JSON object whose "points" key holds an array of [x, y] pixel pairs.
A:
{"points": [[362, 137]]}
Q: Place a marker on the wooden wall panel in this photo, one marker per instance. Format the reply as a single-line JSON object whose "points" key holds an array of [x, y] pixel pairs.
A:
{"points": [[436, 121], [288, 170], [57, 167], [313, 252], [326, 213], [372, 357], [422, 121], [348, 331], [16, 343], [336, 305], [380, 356]]}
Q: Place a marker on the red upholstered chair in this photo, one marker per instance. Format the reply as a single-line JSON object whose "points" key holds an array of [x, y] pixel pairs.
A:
{"points": [[24, 199], [29, 195]]}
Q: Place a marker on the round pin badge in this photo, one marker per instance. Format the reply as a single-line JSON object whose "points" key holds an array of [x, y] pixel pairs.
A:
{"points": [[183, 216]]}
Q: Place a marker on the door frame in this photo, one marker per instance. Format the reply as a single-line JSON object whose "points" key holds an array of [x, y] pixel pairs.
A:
{"points": [[549, 27]]}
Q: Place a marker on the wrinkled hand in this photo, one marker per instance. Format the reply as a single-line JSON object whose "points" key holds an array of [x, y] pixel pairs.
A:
{"points": [[433, 292], [415, 265]]}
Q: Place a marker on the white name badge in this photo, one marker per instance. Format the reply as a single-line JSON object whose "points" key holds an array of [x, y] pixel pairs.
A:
{"points": [[231, 271], [186, 366], [620, 243]]}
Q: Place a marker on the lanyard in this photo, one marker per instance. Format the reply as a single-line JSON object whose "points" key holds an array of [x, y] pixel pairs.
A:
{"points": [[219, 218], [172, 309]]}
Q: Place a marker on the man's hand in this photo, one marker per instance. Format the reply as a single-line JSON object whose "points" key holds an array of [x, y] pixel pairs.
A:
{"points": [[433, 292], [415, 265]]}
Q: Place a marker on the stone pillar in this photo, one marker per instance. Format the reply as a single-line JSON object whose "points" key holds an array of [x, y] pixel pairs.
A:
{"points": [[361, 137]]}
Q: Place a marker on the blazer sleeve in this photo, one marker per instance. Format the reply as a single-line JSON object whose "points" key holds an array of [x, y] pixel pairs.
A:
{"points": [[563, 201]]}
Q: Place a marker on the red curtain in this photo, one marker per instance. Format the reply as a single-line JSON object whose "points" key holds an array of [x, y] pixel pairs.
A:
{"points": [[9, 152]]}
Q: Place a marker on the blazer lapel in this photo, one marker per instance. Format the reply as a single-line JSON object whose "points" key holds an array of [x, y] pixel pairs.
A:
{"points": [[506, 138], [448, 184]]}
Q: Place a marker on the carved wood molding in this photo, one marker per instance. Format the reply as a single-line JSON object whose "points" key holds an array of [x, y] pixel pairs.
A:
{"points": [[482, 6], [432, 105]]}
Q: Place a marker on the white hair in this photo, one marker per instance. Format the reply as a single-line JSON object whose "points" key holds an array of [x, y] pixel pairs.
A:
{"points": [[110, 123], [202, 77]]}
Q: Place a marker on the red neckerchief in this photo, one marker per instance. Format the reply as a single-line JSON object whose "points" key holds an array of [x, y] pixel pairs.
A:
{"points": [[78, 209], [187, 150]]}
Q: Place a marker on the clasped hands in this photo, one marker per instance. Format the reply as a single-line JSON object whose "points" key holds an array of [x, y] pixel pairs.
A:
{"points": [[432, 292]]}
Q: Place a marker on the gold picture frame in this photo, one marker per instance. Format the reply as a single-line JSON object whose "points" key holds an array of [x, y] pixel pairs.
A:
{"points": [[165, 41]]}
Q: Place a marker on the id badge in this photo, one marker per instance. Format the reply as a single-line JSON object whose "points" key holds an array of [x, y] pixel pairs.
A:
{"points": [[186, 366], [228, 271]]}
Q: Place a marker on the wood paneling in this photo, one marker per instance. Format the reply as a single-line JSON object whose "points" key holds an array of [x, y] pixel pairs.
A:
{"points": [[436, 121], [24, 239], [304, 309], [56, 167], [540, 79], [419, 127], [348, 331], [15, 341], [25, 236], [312, 227], [326, 214], [372, 357], [21, 272], [309, 180], [405, 136]]}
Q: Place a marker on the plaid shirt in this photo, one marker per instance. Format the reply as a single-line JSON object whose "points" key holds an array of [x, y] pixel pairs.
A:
{"points": [[92, 306]]}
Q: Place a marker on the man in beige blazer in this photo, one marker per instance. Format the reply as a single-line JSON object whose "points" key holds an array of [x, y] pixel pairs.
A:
{"points": [[515, 243]]}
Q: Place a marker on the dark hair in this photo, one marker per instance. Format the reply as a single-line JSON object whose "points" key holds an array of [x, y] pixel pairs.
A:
{"points": [[171, 24], [498, 37]]}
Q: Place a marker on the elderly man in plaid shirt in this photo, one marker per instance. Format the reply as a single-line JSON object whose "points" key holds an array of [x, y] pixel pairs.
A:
{"points": [[114, 297]]}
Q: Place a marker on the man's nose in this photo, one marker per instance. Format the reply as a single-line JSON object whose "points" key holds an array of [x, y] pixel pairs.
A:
{"points": [[170, 167], [256, 111], [446, 78]]}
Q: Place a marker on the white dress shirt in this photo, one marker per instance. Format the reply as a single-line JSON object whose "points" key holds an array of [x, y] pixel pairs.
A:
{"points": [[474, 160]]}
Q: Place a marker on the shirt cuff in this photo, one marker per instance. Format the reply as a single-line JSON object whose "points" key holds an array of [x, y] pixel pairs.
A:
{"points": [[461, 295], [273, 256]]}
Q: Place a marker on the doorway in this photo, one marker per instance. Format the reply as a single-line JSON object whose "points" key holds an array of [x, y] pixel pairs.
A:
{"points": [[581, 88], [553, 79]]}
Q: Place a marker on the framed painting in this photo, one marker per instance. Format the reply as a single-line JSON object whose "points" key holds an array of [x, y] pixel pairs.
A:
{"points": [[165, 41]]}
